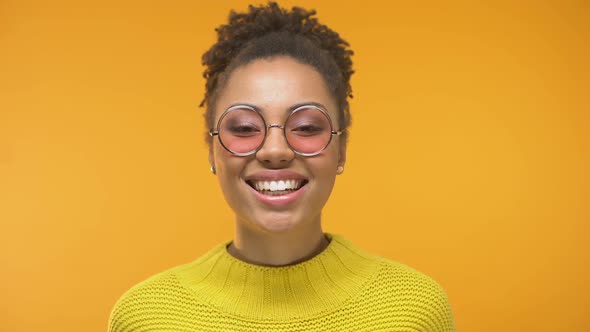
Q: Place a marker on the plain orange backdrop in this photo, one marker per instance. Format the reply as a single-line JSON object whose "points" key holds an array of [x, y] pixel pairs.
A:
{"points": [[468, 160]]}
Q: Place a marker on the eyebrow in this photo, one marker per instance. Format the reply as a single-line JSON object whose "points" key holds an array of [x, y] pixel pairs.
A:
{"points": [[289, 109], [308, 103]]}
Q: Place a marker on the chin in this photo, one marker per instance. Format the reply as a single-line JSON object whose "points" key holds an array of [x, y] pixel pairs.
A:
{"points": [[277, 224]]}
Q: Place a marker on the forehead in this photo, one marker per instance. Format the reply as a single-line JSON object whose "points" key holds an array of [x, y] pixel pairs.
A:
{"points": [[275, 86]]}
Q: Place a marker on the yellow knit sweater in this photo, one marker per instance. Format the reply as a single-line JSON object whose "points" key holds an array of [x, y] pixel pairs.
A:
{"points": [[343, 288]]}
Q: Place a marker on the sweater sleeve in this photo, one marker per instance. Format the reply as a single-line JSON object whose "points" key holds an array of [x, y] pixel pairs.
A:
{"points": [[418, 299], [151, 300], [119, 316], [442, 306], [132, 308]]}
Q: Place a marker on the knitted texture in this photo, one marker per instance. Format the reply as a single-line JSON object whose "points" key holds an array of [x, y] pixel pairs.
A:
{"points": [[343, 288]]}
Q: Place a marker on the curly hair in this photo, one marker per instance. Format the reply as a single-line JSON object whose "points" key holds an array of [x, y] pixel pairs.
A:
{"points": [[269, 31]]}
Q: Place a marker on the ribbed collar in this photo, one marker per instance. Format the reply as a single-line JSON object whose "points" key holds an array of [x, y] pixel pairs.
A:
{"points": [[258, 292]]}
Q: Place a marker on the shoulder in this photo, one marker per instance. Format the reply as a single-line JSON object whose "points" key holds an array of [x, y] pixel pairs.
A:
{"points": [[408, 278], [405, 288], [146, 300], [158, 299]]}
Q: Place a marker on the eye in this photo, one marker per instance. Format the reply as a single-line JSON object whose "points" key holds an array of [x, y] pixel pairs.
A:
{"points": [[307, 129], [243, 130]]}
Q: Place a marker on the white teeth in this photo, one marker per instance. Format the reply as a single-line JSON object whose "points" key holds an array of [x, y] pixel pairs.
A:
{"points": [[277, 185]]}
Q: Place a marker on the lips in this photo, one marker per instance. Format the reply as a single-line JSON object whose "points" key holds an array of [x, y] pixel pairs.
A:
{"points": [[276, 183], [275, 187], [275, 175], [276, 180]]}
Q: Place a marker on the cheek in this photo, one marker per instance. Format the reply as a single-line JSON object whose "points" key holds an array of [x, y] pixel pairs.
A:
{"points": [[229, 170], [324, 169], [228, 166], [332, 157]]}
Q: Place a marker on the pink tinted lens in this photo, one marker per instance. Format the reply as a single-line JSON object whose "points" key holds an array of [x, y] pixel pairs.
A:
{"points": [[308, 130], [242, 130]]}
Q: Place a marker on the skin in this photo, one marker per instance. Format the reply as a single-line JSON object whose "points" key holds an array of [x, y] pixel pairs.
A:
{"points": [[277, 236]]}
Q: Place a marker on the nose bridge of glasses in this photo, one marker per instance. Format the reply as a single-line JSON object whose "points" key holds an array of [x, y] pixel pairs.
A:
{"points": [[270, 137]]}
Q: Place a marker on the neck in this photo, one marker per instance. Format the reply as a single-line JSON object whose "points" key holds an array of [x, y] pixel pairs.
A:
{"points": [[308, 289], [277, 249]]}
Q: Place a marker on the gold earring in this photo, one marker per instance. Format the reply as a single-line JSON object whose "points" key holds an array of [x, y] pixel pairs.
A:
{"points": [[340, 170], [212, 169]]}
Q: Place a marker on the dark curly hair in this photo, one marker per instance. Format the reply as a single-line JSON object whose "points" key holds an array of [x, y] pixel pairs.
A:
{"points": [[268, 31]]}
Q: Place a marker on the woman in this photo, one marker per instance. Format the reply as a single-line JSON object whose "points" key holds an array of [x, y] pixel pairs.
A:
{"points": [[277, 114]]}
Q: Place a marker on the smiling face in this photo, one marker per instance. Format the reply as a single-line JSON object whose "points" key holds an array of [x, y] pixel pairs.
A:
{"points": [[252, 185]]}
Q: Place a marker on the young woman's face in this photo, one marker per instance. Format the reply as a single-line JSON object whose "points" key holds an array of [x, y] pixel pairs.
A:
{"points": [[275, 86]]}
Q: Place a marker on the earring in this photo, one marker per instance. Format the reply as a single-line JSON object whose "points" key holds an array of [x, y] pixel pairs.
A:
{"points": [[212, 169], [340, 170]]}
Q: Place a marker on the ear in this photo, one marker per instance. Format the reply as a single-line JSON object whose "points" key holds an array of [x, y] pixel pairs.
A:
{"points": [[342, 154], [211, 157]]}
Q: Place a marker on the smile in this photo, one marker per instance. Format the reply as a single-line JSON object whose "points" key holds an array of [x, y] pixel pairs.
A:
{"points": [[277, 187]]}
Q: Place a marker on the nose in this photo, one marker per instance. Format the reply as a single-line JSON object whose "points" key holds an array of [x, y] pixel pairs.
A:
{"points": [[275, 153]]}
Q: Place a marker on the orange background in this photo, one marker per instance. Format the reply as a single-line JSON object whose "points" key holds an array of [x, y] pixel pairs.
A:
{"points": [[468, 158]]}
